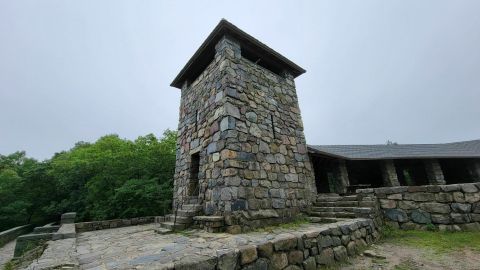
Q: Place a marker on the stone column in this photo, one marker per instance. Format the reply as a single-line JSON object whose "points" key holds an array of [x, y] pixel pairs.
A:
{"points": [[434, 172], [475, 169], [341, 177], [389, 173]]}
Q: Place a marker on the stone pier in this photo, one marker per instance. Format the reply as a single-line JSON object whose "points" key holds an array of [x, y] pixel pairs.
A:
{"points": [[341, 177], [434, 172], [389, 173]]}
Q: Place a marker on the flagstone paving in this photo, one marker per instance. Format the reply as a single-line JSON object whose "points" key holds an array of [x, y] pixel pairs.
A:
{"points": [[6, 253], [139, 247]]}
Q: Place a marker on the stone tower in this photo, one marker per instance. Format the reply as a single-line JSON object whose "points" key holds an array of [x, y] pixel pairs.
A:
{"points": [[241, 148]]}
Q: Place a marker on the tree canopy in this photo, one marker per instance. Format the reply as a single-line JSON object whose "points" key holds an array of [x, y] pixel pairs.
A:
{"points": [[110, 178]]}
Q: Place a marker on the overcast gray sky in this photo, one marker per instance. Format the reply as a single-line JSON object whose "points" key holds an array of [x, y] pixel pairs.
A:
{"points": [[406, 71]]}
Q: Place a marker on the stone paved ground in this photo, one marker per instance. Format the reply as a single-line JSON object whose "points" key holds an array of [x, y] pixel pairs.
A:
{"points": [[6, 253], [139, 247]]}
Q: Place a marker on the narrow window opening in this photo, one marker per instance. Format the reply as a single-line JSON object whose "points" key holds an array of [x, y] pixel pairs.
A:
{"points": [[194, 169], [273, 126], [196, 120]]}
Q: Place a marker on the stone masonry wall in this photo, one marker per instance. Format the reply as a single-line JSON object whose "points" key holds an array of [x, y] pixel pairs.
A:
{"points": [[249, 134], [447, 207], [201, 108], [11, 234], [113, 223], [310, 250]]}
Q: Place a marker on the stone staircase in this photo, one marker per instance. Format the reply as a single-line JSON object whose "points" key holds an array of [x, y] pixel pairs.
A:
{"points": [[332, 207], [191, 208]]}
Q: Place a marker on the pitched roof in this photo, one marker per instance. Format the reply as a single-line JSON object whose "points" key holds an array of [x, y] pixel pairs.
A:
{"points": [[466, 149], [256, 49]]}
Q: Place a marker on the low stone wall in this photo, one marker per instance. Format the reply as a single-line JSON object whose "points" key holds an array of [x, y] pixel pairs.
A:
{"points": [[113, 223], [9, 235], [317, 247], [447, 207]]}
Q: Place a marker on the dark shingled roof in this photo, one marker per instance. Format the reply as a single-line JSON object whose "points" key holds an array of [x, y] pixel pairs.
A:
{"points": [[467, 149], [248, 44]]}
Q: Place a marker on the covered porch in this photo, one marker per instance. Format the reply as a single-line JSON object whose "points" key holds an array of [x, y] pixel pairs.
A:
{"points": [[343, 174]]}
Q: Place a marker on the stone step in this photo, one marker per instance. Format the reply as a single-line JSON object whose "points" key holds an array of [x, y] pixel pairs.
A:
{"points": [[325, 219], [179, 219], [323, 195], [169, 225], [163, 230], [363, 210], [338, 203], [333, 214], [187, 213], [352, 198]]}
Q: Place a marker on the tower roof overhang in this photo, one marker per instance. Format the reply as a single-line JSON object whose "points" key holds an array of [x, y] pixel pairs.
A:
{"points": [[203, 56]]}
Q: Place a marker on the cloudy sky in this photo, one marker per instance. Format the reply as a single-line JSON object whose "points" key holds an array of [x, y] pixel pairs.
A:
{"points": [[406, 71]]}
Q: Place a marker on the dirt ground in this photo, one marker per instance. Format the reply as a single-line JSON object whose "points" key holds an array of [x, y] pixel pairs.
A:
{"points": [[403, 257]]}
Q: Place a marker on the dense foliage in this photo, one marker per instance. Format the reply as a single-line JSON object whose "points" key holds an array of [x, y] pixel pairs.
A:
{"points": [[111, 178]]}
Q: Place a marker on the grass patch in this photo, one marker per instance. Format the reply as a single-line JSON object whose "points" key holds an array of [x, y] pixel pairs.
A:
{"points": [[435, 240]]}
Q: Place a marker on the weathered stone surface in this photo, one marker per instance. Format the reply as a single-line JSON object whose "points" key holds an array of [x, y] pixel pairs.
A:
{"points": [[351, 248], [419, 196], [407, 205], [326, 257], [265, 250], [422, 217], [285, 243], [433, 207], [279, 260], [472, 197], [340, 253], [293, 267], [396, 215], [310, 264], [441, 219], [444, 197], [248, 254], [260, 264], [295, 257], [227, 259], [469, 188], [388, 204], [458, 218], [324, 241], [461, 207]]}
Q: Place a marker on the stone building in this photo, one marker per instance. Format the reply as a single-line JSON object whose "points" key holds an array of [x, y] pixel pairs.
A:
{"points": [[344, 168], [240, 143], [242, 157]]}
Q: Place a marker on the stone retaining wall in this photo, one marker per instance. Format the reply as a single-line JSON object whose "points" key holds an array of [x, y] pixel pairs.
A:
{"points": [[9, 235], [320, 246], [447, 207], [113, 223]]}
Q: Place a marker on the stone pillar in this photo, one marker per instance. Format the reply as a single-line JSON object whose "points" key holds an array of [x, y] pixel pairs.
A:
{"points": [[389, 173], [434, 172], [475, 169], [341, 177]]}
